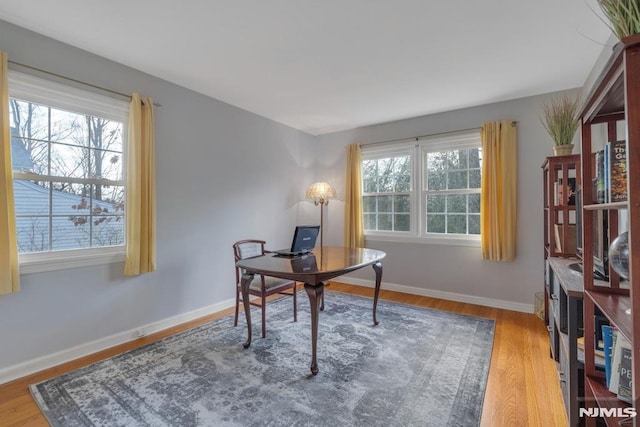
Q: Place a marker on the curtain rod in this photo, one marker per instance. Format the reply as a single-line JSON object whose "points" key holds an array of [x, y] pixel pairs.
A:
{"points": [[513, 123], [40, 70]]}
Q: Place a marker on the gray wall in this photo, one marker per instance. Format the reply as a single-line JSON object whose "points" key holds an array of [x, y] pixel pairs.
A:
{"points": [[223, 174], [459, 272]]}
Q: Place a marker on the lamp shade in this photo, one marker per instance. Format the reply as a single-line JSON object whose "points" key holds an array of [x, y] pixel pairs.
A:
{"points": [[320, 191]]}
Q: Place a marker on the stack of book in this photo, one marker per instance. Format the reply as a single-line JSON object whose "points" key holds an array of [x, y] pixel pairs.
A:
{"points": [[617, 355], [611, 173]]}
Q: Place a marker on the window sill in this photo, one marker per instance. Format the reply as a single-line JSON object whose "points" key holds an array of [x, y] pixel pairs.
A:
{"points": [[448, 240], [64, 260]]}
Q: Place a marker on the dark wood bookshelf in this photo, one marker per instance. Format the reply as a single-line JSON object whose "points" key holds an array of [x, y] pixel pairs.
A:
{"points": [[614, 97]]}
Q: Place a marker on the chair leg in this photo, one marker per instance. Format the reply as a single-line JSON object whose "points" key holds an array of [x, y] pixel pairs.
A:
{"points": [[322, 303], [235, 319], [264, 316], [295, 303]]}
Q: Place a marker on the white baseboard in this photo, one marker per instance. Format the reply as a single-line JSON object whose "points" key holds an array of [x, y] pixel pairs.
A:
{"points": [[451, 296], [38, 364]]}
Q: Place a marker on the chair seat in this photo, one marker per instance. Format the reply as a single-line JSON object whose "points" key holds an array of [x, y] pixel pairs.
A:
{"points": [[270, 283]]}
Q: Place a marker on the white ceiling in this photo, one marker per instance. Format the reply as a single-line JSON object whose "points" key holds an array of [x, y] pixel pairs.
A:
{"points": [[328, 65]]}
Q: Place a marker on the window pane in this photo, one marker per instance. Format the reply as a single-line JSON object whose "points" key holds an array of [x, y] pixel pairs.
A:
{"points": [[402, 173], [69, 128], [474, 203], [106, 139], [436, 181], [369, 176], [67, 161], [474, 178], [457, 180], [29, 120], [475, 158], [457, 203], [402, 204], [384, 222], [31, 198], [437, 161], [435, 223], [402, 222], [436, 204], [457, 159], [457, 224], [67, 234], [384, 203], [369, 221], [108, 230], [30, 156], [33, 233], [385, 175], [369, 204], [474, 224]]}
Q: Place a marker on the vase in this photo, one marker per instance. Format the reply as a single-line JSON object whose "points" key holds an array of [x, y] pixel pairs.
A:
{"points": [[563, 150]]}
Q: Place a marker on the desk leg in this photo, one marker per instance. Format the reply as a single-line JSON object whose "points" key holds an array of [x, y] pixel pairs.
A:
{"points": [[315, 294], [244, 285], [377, 267]]}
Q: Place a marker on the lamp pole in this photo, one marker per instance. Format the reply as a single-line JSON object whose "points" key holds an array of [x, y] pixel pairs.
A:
{"points": [[321, 202]]}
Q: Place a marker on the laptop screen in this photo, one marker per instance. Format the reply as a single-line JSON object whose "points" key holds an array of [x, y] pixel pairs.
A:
{"points": [[304, 238]]}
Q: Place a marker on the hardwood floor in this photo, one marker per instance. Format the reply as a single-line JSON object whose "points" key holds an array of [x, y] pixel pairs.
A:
{"points": [[522, 389]]}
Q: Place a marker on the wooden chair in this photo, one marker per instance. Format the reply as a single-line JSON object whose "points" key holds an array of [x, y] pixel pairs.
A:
{"points": [[261, 286]]}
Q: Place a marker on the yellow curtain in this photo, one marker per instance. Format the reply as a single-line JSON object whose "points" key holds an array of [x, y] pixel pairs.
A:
{"points": [[140, 207], [9, 268], [353, 222], [499, 198]]}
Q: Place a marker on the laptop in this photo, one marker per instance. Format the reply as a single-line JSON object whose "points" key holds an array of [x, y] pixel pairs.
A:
{"points": [[304, 240]]}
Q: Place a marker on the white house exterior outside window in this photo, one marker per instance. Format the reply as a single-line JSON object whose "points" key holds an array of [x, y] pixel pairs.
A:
{"points": [[68, 170], [425, 189]]}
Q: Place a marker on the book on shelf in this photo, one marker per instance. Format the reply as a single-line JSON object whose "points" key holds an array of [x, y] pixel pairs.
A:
{"points": [[619, 342], [607, 344], [605, 171], [600, 177], [617, 188], [625, 391]]}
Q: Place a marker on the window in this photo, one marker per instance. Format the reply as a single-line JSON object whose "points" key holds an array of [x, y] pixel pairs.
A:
{"points": [[427, 188], [68, 167], [387, 192]]}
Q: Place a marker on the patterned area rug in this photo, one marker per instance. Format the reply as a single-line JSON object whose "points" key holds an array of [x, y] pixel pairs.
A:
{"points": [[417, 367]]}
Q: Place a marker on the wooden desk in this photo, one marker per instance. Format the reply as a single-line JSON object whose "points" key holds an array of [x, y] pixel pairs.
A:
{"points": [[313, 270]]}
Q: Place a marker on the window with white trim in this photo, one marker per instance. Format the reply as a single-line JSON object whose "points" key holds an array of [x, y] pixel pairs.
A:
{"points": [[68, 167], [427, 188]]}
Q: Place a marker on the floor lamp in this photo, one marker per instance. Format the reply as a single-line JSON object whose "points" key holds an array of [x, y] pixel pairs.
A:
{"points": [[321, 192]]}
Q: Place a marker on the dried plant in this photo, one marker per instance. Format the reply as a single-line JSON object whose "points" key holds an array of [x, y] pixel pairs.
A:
{"points": [[559, 119], [623, 16]]}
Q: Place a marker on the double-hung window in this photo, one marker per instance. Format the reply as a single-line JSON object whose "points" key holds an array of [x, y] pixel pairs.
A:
{"points": [[68, 171], [426, 188]]}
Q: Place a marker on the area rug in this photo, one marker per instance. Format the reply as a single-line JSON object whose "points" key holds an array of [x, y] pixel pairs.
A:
{"points": [[418, 367]]}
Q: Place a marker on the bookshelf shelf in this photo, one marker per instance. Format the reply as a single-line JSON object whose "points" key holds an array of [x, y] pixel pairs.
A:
{"points": [[616, 308], [604, 398], [606, 206]]}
